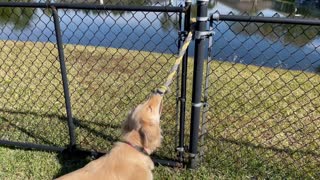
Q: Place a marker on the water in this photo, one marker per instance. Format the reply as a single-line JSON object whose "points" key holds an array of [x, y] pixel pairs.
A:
{"points": [[283, 46]]}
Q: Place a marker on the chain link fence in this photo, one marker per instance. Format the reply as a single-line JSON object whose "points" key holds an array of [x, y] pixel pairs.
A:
{"points": [[113, 59], [261, 87], [262, 92]]}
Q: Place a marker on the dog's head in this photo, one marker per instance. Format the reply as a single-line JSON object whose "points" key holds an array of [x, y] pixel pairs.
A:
{"points": [[145, 119]]}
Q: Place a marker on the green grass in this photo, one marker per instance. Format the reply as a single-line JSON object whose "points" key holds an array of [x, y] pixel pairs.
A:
{"points": [[261, 122]]}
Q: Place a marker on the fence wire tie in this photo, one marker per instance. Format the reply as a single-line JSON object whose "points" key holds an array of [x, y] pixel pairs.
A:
{"points": [[205, 103], [182, 99], [201, 104], [192, 155]]}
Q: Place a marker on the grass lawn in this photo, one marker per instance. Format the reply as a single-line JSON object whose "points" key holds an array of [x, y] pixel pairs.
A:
{"points": [[260, 123]]}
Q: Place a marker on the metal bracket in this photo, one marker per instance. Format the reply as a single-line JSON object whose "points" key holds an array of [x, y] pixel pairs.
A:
{"points": [[180, 149], [202, 34], [202, 18], [201, 104], [211, 38], [215, 16], [196, 104]]}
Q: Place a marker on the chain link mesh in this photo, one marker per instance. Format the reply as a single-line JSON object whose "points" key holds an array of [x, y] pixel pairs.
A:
{"points": [[106, 83], [114, 60], [262, 118], [31, 92]]}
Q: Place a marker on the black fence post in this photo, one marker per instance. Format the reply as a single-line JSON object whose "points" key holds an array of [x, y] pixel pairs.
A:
{"points": [[200, 47], [64, 77], [184, 83]]}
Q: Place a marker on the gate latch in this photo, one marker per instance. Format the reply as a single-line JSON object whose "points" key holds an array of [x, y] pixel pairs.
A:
{"points": [[202, 34]]}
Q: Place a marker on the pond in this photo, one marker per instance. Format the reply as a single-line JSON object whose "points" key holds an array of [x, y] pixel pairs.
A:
{"points": [[284, 46]]}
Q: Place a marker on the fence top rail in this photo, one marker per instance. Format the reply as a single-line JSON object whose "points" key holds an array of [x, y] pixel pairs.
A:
{"points": [[261, 19], [94, 7]]}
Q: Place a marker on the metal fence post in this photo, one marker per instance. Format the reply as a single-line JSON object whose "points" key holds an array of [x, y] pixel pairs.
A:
{"points": [[184, 84], [200, 47], [64, 77]]}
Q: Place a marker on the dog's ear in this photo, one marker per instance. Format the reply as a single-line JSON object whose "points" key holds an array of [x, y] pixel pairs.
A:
{"points": [[150, 136], [144, 133], [129, 124]]}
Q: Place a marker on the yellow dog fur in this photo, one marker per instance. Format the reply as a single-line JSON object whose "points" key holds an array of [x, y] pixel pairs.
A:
{"points": [[141, 128]]}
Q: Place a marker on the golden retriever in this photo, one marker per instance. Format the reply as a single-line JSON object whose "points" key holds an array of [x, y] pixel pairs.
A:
{"points": [[129, 158]]}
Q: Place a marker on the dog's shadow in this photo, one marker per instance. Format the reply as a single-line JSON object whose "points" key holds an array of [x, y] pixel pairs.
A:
{"points": [[73, 160], [69, 164]]}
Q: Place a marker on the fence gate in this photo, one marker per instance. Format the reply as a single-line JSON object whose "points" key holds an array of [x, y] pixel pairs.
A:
{"points": [[70, 73]]}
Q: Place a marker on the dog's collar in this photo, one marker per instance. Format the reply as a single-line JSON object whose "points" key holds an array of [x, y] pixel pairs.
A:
{"points": [[138, 148]]}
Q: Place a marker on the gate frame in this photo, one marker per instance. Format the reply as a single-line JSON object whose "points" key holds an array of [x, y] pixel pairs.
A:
{"points": [[72, 149]]}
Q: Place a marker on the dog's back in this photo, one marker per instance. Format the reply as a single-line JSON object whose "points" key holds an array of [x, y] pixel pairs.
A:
{"points": [[121, 163]]}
